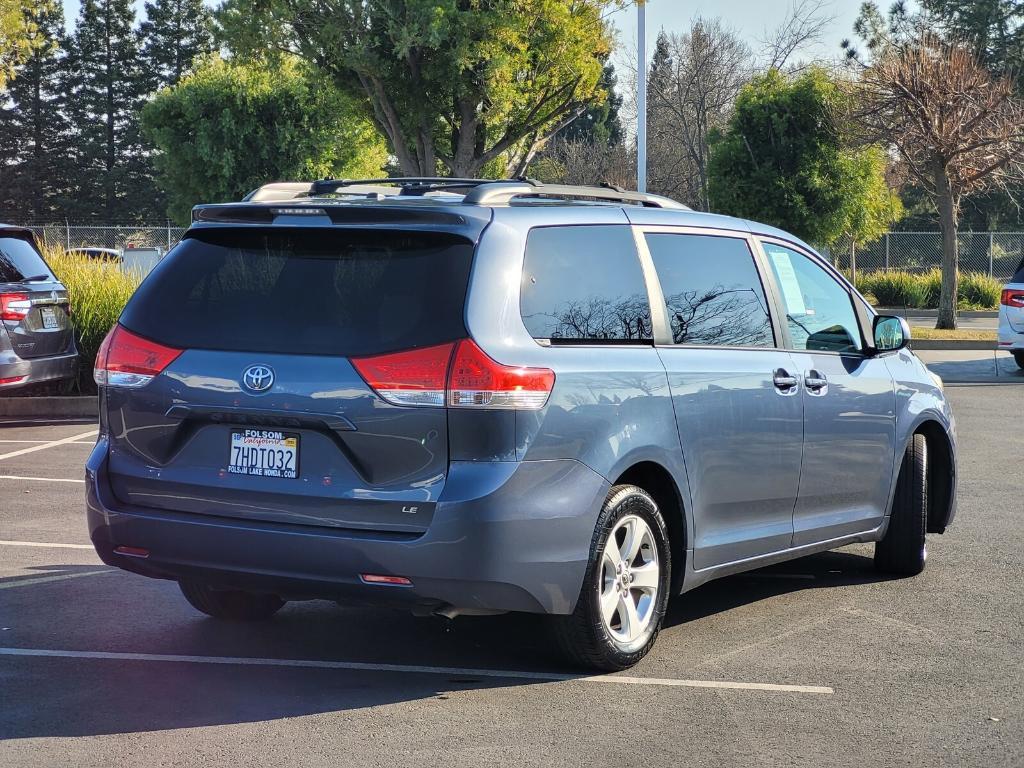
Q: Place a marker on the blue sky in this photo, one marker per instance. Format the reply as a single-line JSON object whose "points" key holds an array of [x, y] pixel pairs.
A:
{"points": [[750, 18]]}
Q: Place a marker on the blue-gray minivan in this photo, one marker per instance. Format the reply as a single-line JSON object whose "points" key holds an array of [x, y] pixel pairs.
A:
{"points": [[469, 397]]}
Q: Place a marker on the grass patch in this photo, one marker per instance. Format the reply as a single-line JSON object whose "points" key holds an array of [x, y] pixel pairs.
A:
{"points": [[960, 334], [920, 290], [98, 292]]}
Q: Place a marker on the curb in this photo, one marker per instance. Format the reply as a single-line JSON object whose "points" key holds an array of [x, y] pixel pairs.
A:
{"points": [[912, 312], [86, 407], [952, 344]]}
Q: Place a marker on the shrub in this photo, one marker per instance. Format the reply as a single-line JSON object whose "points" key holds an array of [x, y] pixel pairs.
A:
{"points": [[978, 290], [98, 292], [894, 289]]}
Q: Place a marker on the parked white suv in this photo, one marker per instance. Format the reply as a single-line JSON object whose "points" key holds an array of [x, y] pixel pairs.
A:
{"points": [[1011, 316]]}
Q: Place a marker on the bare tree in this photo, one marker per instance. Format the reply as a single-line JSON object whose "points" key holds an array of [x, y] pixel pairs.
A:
{"points": [[567, 161], [694, 81], [804, 25], [957, 129]]}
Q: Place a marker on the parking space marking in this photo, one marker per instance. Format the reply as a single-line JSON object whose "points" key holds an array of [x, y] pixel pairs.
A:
{"points": [[43, 479], [48, 579], [77, 442], [45, 544], [44, 446], [414, 669]]}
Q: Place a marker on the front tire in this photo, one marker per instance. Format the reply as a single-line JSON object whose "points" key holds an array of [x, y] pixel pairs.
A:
{"points": [[903, 550], [1018, 358], [626, 587], [230, 604]]}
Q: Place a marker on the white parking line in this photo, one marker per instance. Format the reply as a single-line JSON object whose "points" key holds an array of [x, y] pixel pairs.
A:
{"points": [[44, 446], [45, 544], [48, 579], [37, 442], [413, 669], [43, 479]]}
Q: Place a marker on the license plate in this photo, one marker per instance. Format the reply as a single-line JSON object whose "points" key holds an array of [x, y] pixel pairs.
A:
{"points": [[264, 453], [49, 317]]}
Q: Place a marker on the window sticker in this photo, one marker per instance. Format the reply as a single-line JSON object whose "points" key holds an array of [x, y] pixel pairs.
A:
{"points": [[791, 292]]}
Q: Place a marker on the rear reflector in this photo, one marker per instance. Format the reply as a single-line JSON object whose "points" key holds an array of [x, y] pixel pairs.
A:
{"points": [[14, 306], [13, 380], [131, 551], [459, 374], [376, 578], [1012, 297], [127, 360]]}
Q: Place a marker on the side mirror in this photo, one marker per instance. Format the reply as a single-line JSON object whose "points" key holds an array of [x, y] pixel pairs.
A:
{"points": [[891, 333]]}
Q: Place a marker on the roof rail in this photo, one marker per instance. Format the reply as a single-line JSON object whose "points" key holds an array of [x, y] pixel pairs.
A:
{"points": [[498, 193], [480, 192]]}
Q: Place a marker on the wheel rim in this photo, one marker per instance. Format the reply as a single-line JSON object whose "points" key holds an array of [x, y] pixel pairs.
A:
{"points": [[630, 579]]}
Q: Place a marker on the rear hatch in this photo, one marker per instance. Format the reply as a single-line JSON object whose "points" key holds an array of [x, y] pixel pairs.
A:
{"points": [[261, 413], [1012, 302], [33, 304]]}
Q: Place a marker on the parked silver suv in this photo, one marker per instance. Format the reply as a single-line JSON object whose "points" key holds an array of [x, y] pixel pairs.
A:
{"points": [[476, 397], [36, 339]]}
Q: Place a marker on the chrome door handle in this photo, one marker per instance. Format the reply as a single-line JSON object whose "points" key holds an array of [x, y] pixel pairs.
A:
{"points": [[784, 382], [816, 383]]}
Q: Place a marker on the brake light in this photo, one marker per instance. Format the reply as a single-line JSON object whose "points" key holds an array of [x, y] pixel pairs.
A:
{"points": [[458, 374], [127, 360], [14, 306], [1012, 297], [477, 381]]}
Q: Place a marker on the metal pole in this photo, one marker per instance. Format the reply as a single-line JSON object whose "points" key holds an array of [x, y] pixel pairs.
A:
{"points": [[641, 98], [886, 251], [991, 251], [67, 230], [168, 234]]}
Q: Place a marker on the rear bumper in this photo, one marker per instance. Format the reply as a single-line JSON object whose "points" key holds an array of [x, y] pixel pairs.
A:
{"points": [[1009, 338], [36, 369], [505, 536]]}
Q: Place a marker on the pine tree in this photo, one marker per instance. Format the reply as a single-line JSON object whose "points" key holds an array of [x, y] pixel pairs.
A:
{"points": [[33, 130], [600, 123], [113, 179], [174, 34]]}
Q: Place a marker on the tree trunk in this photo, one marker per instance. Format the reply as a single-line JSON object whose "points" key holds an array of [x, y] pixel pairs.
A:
{"points": [[947, 204]]}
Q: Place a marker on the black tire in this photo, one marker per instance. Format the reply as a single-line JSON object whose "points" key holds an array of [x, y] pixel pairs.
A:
{"points": [[903, 550], [582, 636], [230, 604], [1018, 357]]}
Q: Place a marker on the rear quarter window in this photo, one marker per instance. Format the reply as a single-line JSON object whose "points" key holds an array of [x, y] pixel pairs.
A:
{"points": [[19, 260], [584, 285], [306, 291]]}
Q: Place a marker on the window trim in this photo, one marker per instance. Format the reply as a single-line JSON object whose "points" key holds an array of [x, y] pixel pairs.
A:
{"points": [[828, 269], [659, 311], [546, 343]]}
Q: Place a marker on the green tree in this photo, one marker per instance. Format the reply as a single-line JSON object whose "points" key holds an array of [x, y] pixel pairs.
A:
{"points": [[231, 126], [174, 33], [33, 129], [782, 160], [112, 175], [994, 29], [15, 37], [463, 85], [599, 123]]}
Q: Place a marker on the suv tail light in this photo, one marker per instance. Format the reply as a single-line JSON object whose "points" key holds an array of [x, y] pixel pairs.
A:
{"points": [[459, 374], [127, 360], [1012, 297], [14, 306]]}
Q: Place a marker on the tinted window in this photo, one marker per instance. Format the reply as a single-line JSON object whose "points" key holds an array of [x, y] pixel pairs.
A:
{"points": [[584, 284], [329, 292], [19, 260], [1018, 276], [819, 311], [712, 290]]}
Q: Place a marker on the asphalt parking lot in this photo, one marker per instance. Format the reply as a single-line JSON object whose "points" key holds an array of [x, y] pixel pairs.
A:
{"points": [[817, 662]]}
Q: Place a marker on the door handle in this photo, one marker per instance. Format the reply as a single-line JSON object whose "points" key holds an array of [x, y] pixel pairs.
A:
{"points": [[816, 383], [784, 382]]}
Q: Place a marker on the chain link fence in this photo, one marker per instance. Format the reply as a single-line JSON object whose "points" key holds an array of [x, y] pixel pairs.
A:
{"points": [[116, 237], [991, 253]]}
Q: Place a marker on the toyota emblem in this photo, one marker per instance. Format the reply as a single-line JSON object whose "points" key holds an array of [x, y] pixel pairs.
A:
{"points": [[258, 378]]}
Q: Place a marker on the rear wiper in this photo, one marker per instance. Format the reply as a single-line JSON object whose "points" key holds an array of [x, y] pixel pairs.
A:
{"points": [[37, 279]]}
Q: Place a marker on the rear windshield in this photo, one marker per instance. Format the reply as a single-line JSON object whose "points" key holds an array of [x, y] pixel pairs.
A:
{"points": [[19, 260], [337, 292]]}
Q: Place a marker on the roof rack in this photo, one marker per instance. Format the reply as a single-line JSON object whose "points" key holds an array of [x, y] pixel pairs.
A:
{"points": [[480, 192]]}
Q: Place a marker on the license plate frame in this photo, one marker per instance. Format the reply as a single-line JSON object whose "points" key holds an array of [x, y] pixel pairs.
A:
{"points": [[49, 318], [264, 453]]}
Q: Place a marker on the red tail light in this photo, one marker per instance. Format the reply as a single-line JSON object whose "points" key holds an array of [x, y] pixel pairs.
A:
{"points": [[127, 360], [459, 374], [1012, 297], [14, 306]]}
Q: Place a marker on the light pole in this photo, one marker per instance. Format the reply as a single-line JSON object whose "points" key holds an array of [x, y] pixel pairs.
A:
{"points": [[641, 97]]}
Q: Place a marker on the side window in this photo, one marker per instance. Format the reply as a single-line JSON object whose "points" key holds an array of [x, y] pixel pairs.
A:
{"points": [[583, 284], [819, 311], [713, 293]]}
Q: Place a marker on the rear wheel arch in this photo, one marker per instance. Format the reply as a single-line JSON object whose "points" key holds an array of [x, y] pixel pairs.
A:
{"points": [[659, 483], [941, 467]]}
